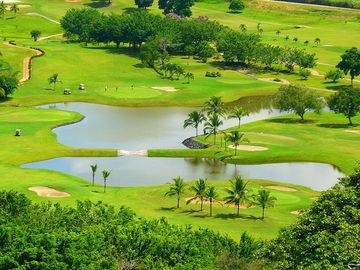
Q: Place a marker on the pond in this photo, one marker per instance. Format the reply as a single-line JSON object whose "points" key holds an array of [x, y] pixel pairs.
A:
{"points": [[133, 128], [143, 171]]}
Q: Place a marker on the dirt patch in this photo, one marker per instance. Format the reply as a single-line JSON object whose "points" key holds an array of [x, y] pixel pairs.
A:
{"points": [[251, 148], [222, 203], [48, 192], [165, 88], [142, 153], [282, 188], [353, 131]]}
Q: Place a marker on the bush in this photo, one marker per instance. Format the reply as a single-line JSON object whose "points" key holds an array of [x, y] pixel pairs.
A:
{"points": [[334, 75], [304, 73], [212, 74]]}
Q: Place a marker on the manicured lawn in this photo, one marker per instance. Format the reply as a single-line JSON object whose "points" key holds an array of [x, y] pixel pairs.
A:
{"points": [[320, 138]]}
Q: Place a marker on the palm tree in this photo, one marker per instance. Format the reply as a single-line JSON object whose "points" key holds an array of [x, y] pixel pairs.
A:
{"points": [[194, 119], [287, 38], [214, 105], [189, 76], [317, 41], [2, 9], [237, 193], [278, 32], [264, 200], [93, 170], [14, 8], [105, 175], [200, 192], [295, 39], [306, 42], [243, 27], [54, 79], [177, 189], [212, 125], [235, 137], [211, 195], [238, 112]]}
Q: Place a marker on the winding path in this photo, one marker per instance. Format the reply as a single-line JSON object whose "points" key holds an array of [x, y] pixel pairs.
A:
{"points": [[26, 70]]}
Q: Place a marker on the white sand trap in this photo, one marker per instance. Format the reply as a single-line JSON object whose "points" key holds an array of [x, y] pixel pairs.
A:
{"points": [[252, 148], [327, 45], [73, 1], [282, 188], [353, 131], [165, 88], [273, 80], [142, 153], [10, 1], [297, 212], [222, 203], [48, 192]]}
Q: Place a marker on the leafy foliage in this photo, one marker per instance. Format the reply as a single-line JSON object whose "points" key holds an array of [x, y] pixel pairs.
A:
{"points": [[350, 63], [96, 236], [326, 236]]}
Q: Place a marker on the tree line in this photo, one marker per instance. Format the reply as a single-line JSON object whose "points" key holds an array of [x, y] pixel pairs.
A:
{"points": [[159, 37]]}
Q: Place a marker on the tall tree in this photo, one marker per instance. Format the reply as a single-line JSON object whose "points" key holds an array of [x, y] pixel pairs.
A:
{"points": [[14, 8], [347, 102], [211, 195], [350, 63], [264, 200], [144, 3], [2, 8], [237, 193], [199, 189], [177, 188], [238, 113], [105, 174], [54, 79], [179, 7], [235, 137], [212, 125], [298, 99], [93, 171], [236, 5], [334, 75], [35, 34], [194, 119], [215, 105], [9, 83]]}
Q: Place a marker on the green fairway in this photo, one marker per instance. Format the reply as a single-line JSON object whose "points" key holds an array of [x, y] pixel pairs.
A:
{"points": [[117, 77]]}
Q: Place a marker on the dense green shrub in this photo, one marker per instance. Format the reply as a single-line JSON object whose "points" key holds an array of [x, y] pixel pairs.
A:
{"points": [[97, 236]]}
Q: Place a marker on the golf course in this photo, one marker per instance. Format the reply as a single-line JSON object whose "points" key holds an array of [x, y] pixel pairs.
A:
{"points": [[86, 99]]}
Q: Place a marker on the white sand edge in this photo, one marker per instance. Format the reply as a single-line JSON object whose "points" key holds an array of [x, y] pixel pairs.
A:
{"points": [[48, 192], [252, 148], [141, 153]]}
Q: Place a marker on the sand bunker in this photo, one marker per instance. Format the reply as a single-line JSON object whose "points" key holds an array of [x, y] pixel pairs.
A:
{"points": [[222, 203], [297, 212], [282, 188], [73, 1], [274, 80], [165, 88], [273, 136], [252, 148], [353, 131], [142, 153], [48, 192]]}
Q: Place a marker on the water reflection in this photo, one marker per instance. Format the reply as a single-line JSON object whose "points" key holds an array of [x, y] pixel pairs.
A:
{"points": [[142, 171]]}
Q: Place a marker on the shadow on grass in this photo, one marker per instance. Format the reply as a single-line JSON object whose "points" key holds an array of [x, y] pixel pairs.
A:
{"points": [[172, 209], [130, 10], [2, 100], [290, 121], [235, 216], [338, 87], [97, 4], [113, 50], [347, 125]]}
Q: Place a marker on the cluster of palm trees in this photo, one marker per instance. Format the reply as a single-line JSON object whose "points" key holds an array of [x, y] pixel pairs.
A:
{"points": [[13, 8], [237, 194], [105, 174], [211, 115]]}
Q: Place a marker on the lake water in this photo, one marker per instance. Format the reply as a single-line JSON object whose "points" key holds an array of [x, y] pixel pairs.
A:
{"points": [[143, 171], [133, 128]]}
